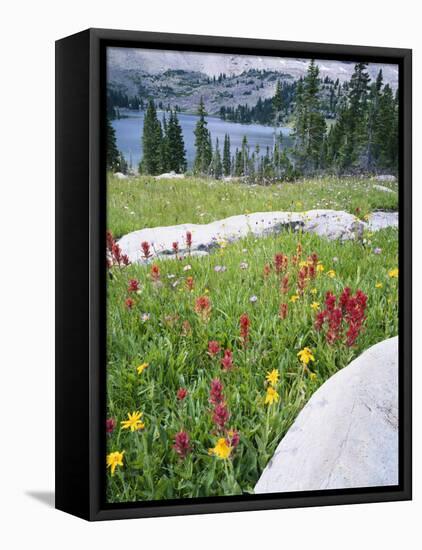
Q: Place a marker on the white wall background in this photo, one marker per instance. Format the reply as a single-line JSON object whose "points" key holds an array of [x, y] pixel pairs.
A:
{"points": [[28, 31]]}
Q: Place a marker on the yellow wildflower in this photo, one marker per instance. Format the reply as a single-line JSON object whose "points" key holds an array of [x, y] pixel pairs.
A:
{"points": [[320, 268], [331, 273], [294, 298], [271, 396], [378, 285], [114, 459], [221, 450], [314, 291], [394, 273], [134, 422], [305, 355], [142, 367], [312, 375], [272, 377], [206, 291], [315, 305], [304, 263]]}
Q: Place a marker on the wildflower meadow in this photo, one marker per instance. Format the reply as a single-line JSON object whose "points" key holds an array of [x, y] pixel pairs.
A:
{"points": [[210, 359]]}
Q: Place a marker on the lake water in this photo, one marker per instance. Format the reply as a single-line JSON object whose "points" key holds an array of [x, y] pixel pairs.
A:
{"points": [[129, 133]]}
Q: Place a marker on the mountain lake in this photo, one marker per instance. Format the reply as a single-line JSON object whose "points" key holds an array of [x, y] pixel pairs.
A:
{"points": [[129, 133]]}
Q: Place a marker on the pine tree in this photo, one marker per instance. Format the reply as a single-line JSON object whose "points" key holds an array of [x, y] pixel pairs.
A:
{"points": [[309, 122], [216, 165], [175, 145], [112, 151], [152, 162], [203, 145], [386, 130], [226, 156]]}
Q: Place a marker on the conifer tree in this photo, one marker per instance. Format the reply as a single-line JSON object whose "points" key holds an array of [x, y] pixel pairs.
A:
{"points": [[176, 155], [216, 164], [309, 121], [203, 145], [226, 156], [112, 151], [152, 142]]}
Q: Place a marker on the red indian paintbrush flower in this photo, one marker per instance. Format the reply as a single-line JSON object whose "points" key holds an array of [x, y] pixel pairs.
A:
{"points": [[181, 444], [233, 438], [133, 285], [203, 307], [190, 283], [110, 425], [175, 247], [129, 303], [182, 394], [282, 312], [220, 415], [216, 392], [146, 249], [155, 272], [302, 279], [109, 240], [280, 262], [349, 313], [245, 324], [267, 270], [213, 348], [284, 287], [189, 239], [227, 360]]}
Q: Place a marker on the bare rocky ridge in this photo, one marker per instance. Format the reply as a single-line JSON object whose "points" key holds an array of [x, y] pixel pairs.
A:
{"points": [[347, 434]]}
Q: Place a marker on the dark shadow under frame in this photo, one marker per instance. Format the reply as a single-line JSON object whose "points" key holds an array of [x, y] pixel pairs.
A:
{"points": [[80, 96]]}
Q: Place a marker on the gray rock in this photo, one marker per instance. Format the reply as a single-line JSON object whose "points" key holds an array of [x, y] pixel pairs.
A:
{"points": [[383, 188], [381, 220], [331, 224], [170, 176], [385, 177], [120, 176], [347, 434]]}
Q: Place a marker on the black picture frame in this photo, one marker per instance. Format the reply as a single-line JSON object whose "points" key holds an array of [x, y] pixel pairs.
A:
{"points": [[80, 273]]}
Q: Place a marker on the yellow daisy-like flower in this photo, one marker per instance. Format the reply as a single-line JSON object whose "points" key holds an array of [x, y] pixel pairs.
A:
{"points": [[271, 396], [314, 291], [114, 459], [134, 422], [305, 356], [294, 298], [378, 285], [315, 306], [142, 367], [331, 273], [273, 377], [394, 273], [221, 450], [320, 268]]}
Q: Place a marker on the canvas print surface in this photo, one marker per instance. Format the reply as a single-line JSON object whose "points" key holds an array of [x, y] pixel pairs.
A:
{"points": [[252, 275]]}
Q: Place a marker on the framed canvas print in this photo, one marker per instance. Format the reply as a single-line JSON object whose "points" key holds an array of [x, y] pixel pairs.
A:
{"points": [[233, 274]]}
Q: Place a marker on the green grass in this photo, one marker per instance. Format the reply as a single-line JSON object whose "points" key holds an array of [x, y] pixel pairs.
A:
{"points": [[136, 203], [151, 469]]}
